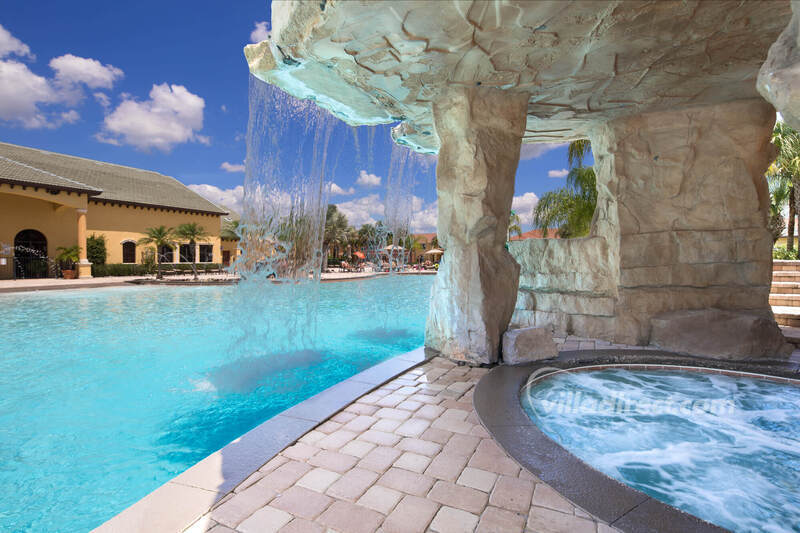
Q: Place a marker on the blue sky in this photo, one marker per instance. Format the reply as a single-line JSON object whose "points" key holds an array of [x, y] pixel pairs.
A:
{"points": [[164, 86]]}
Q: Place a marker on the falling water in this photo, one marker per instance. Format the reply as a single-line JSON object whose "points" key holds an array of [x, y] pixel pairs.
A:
{"points": [[295, 153]]}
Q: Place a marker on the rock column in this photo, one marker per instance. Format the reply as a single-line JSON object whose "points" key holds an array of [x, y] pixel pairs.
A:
{"points": [[480, 131], [679, 254], [779, 78]]}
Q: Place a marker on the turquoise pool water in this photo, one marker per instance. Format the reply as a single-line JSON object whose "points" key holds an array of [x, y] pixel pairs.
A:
{"points": [[108, 393], [723, 448]]}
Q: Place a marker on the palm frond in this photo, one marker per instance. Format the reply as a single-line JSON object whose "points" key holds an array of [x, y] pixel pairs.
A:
{"points": [[577, 151]]}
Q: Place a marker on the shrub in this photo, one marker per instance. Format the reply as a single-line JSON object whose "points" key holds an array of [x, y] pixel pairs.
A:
{"points": [[780, 252], [96, 249]]}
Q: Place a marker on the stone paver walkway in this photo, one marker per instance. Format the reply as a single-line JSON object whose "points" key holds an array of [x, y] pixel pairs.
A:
{"points": [[410, 456]]}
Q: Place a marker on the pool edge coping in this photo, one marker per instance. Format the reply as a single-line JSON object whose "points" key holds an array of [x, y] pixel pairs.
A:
{"points": [[138, 282], [179, 502], [496, 402]]}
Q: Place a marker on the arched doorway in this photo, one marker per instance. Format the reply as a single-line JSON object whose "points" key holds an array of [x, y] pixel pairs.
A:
{"points": [[30, 255]]}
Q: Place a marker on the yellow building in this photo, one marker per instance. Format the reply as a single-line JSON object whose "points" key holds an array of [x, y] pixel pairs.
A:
{"points": [[50, 200]]}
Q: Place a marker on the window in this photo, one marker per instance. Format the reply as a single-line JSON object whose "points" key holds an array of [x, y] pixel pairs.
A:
{"points": [[166, 254], [206, 253], [129, 252], [187, 253]]}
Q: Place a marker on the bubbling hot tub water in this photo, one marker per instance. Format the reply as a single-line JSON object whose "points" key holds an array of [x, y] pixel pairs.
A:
{"points": [[721, 447]]}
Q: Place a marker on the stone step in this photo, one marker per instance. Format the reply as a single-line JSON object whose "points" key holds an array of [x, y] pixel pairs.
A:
{"points": [[787, 315], [785, 264], [784, 299], [785, 287], [786, 275], [792, 334]]}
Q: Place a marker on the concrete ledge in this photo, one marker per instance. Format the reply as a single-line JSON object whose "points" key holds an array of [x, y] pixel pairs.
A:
{"points": [[176, 504], [497, 403]]}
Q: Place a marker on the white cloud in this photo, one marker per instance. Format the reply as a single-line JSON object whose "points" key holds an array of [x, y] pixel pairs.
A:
{"points": [[424, 219], [223, 108], [523, 206], [361, 210], [171, 116], [260, 33], [72, 69], [102, 99], [336, 190], [532, 151], [557, 173], [24, 94], [21, 94], [11, 45], [366, 179], [70, 117], [231, 167], [229, 198]]}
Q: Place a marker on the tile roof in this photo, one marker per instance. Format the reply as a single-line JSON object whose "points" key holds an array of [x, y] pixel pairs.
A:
{"points": [[102, 181], [536, 234]]}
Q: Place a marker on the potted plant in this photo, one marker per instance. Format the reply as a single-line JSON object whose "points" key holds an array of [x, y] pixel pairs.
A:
{"points": [[67, 258]]}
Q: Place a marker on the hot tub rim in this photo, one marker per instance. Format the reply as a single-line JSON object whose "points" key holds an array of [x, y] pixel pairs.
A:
{"points": [[497, 403]]}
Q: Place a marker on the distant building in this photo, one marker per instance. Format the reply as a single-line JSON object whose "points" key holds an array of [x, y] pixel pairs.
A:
{"points": [[50, 200], [426, 241], [536, 234]]}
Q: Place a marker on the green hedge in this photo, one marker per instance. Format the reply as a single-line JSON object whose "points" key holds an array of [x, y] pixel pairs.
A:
{"points": [[126, 269], [780, 252]]}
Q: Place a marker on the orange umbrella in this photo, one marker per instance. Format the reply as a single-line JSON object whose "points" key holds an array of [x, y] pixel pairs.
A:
{"points": [[360, 255]]}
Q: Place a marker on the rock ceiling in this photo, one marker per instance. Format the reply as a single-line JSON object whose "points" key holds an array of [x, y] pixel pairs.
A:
{"points": [[372, 62]]}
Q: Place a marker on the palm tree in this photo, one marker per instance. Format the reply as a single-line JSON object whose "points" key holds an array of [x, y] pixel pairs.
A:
{"points": [[335, 231], [412, 244], [787, 141], [192, 232], [159, 236], [570, 208], [576, 151], [780, 187], [514, 226]]}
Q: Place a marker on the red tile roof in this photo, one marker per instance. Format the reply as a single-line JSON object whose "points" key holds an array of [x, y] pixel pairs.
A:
{"points": [[536, 234], [426, 237]]}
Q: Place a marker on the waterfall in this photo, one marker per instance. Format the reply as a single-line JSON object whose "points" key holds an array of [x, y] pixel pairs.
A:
{"points": [[296, 152]]}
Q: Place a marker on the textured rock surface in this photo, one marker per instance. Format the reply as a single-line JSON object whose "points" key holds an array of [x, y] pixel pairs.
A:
{"points": [[779, 78], [580, 61], [524, 345], [719, 334], [681, 224], [665, 91], [473, 295]]}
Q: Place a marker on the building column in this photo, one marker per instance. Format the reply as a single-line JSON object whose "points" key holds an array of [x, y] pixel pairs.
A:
{"points": [[84, 266], [480, 131]]}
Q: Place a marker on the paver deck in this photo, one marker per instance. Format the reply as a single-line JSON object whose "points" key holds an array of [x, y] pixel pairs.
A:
{"points": [[409, 456]]}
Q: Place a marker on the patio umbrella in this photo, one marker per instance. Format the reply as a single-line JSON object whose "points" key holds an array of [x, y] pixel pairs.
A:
{"points": [[360, 255], [434, 251], [393, 247]]}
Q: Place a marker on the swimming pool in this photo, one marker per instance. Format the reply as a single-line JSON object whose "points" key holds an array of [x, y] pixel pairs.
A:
{"points": [[108, 393], [721, 447]]}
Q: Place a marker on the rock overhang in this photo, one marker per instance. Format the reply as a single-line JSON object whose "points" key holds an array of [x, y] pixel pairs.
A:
{"points": [[372, 62]]}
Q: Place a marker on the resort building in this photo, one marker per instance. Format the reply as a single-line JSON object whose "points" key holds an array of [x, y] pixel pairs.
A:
{"points": [[50, 200]]}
